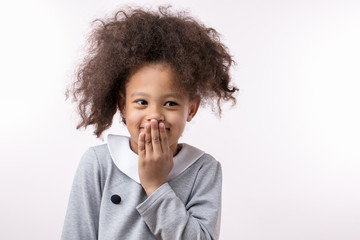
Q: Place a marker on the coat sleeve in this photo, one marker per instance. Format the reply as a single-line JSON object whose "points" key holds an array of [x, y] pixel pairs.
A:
{"points": [[169, 218], [82, 216]]}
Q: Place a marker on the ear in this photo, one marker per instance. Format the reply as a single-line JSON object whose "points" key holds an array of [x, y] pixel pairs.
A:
{"points": [[193, 108]]}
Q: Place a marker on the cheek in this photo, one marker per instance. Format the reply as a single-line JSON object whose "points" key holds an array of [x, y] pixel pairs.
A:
{"points": [[133, 119], [178, 121]]}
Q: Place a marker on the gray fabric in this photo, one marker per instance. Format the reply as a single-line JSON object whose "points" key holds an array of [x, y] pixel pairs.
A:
{"points": [[187, 207]]}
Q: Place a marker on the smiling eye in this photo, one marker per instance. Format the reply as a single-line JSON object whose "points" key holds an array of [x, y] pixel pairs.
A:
{"points": [[141, 102], [170, 104]]}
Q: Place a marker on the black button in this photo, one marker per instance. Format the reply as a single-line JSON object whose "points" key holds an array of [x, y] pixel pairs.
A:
{"points": [[116, 199]]}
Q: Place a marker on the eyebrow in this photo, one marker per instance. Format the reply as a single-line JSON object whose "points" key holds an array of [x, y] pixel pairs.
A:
{"points": [[143, 94]]}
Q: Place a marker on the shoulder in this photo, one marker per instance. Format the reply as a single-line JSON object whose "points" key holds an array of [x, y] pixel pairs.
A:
{"points": [[208, 172], [100, 151], [206, 157], [95, 153], [209, 176], [202, 180], [95, 157], [205, 167], [195, 156], [207, 162], [197, 159]]}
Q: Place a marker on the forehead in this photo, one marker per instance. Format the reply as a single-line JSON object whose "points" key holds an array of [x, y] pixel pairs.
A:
{"points": [[153, 78]]}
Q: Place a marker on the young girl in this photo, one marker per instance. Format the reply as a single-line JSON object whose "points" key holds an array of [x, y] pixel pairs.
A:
{"points": [[156, 68]]}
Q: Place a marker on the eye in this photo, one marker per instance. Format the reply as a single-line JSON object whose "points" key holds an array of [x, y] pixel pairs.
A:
{"points": [[171, 104], [141, 102]]}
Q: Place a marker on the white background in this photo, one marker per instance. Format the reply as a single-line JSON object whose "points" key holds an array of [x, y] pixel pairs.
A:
{"points": [[290, 149]]}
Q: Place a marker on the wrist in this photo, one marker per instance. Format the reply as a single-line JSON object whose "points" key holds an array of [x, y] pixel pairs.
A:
{"points": [[151, 189]]}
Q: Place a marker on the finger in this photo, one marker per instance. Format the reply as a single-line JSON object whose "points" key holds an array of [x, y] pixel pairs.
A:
{"points": [[148, 144], [155, 136], [141, 145], [163, 137]]}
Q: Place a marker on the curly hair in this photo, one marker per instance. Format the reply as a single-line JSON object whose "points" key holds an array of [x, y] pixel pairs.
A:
{"points": [[120, 45]]}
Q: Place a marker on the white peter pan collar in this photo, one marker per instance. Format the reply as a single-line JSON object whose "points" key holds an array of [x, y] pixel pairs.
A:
{"points": [[127, 161]]}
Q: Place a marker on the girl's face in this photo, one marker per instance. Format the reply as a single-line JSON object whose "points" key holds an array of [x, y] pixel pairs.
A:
{"points": [[151, 94]]}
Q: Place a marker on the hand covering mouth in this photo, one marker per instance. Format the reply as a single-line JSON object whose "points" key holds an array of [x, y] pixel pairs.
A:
{"points": [[167, 129]]}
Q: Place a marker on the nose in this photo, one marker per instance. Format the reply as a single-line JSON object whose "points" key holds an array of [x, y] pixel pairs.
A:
{"points": [[155, 113]]}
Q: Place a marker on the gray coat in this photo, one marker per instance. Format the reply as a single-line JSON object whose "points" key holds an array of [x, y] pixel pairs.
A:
{"points": [[186, 207]]}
